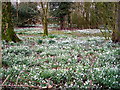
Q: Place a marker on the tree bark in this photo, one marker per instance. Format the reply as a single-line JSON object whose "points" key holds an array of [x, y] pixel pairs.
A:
{"points": [[61, 23], [87, 11], [116, 32], [8, 33], [0, 38], [17, 11], [69, 21], [45, 24], [44, 18], [119, 21]]}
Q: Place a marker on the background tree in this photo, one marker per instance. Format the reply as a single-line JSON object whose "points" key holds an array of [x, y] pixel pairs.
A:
{"points": [[8, 33], [116, 31], [81, 15], [29, 13], [44, 14], [87, 8], [0, 37], [24, 13], [60, 10], [107, 13]]}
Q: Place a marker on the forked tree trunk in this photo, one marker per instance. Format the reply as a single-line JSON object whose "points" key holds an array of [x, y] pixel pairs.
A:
{"points": [[8, 33], [116, 32]]}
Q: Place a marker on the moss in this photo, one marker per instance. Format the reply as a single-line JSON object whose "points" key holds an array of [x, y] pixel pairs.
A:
{"points": [[8, 33]]}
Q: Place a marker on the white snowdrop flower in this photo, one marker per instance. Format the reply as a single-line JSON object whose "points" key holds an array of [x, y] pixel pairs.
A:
{"points": [[36, 68], [69, 59], [15, 67], [35, 77], [116, 76], [24, 66], [26, 84], [66, 84]]}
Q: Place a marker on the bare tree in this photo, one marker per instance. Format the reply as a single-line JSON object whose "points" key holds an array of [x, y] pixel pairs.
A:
{"points": [[116, 32], [0, 38], [44, 16]]}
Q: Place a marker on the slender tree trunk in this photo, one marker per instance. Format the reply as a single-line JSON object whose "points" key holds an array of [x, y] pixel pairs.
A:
{"points": [[61, 23], [8, 33], [119, 17], [45, 24], [87, 11], [69, 21], [44, 17], [116, 32], [17, 11], [0, 38]]}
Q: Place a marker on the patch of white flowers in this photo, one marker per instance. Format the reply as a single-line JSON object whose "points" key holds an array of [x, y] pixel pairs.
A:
{"points": [[58, 62]]}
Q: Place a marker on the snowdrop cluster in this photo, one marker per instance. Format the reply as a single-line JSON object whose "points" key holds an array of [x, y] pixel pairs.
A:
{"points": [[71, 61]]}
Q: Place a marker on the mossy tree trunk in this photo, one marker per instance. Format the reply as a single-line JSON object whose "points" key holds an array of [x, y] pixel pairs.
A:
{"points": [[8, 33], [45, 24], [116, 32], [0, 37], [44, 17]]}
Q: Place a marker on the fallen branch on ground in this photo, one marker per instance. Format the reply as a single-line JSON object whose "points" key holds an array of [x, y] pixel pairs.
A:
{"points": [[21, 86], [6, 79]]}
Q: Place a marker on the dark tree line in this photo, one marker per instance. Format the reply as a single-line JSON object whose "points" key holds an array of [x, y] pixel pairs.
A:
{"points": [[59, 10], [81, 15]]}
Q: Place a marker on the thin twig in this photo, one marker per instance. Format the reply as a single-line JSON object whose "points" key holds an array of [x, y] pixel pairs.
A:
{"points": [[30, 80], [18, 77], [20, 86], [5, 79]]}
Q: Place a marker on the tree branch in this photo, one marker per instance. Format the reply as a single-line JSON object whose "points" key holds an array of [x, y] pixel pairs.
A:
{"points": [[6, 79]]}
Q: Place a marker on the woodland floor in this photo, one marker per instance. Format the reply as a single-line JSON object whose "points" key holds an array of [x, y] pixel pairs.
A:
{"points": [[63, 59]]}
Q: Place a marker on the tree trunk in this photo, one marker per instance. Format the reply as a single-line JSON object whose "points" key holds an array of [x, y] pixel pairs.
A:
{"points": [[8, 33], [44, 17], [69, 21], [61, 23], [17, 11], [45, 24], [0, 38], [87, 11], [119, 18], [116, 32]]}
